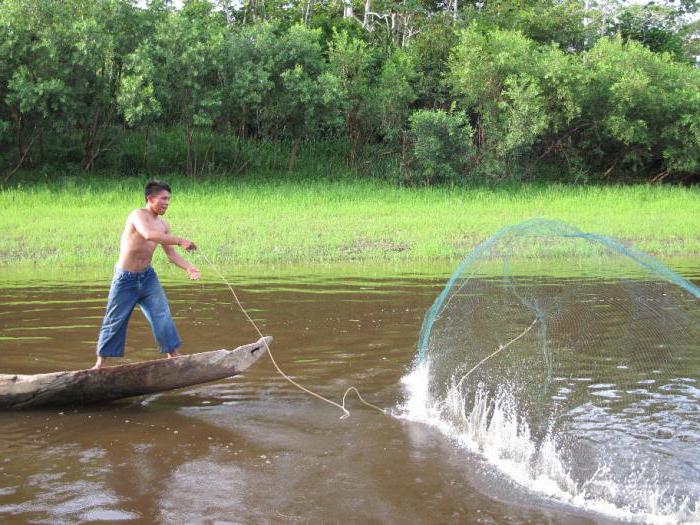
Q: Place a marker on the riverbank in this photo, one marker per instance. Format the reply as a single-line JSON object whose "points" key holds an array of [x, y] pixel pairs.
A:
{"points": [[76, 222]]}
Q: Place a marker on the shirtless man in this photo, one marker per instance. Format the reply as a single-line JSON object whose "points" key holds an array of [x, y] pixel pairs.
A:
{"points": [[135, 281]]}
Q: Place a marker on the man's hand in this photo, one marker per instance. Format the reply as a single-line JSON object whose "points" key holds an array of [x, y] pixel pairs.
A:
{"points": [[193, 273], [187, 245]]}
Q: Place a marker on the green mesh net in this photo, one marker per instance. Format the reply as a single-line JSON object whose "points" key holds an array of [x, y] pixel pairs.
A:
{"points": [[570, 361]]}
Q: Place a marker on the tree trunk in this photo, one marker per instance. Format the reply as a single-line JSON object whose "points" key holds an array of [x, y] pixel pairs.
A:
{"points": [[353, 134], [404, 149], [347, 10], [146, 138], [18, 139], [42, 154], [89, 137], [293, 154], [92, 144], [307, 11], [22, 158], [242, 125], [188, 144], [23, 149]]}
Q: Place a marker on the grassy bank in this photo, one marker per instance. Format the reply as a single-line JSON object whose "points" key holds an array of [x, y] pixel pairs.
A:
{"points": [[75, 222]]}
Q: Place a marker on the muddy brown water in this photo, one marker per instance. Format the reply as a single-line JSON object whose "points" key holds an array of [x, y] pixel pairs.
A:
{"points": [[252, 449]]}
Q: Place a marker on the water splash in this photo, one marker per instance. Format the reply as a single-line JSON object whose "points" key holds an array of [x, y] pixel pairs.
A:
{"points": [[492, 427], [597, 405]]}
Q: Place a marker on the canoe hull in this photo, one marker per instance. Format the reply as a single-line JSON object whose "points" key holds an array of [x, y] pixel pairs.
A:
{"points": [[117, 382]]}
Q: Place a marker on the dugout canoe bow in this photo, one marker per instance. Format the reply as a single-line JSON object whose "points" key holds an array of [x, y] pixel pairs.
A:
{"points": [[133, 379]]}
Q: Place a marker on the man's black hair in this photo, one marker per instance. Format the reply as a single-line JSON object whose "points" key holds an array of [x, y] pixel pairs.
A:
{"points": [[156, 186]]}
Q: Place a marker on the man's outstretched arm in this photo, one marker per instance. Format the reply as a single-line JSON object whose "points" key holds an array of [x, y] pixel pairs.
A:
{"points": [[177, 259]]}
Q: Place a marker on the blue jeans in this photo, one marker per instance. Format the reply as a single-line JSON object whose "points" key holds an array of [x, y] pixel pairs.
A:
{"points": [[129, 289]]}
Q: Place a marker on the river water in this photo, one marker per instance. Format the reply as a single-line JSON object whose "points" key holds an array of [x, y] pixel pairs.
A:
{"points": [[252, 449]]}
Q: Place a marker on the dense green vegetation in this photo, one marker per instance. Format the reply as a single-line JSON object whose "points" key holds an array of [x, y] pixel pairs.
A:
{"points": [[77, 221], [417, 91]]}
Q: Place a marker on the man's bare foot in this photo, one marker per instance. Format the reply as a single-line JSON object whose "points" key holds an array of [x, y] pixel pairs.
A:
{"points": [[100, 363], [173, 354]]}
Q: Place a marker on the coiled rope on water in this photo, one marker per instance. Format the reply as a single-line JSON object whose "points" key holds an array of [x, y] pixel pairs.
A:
{"points": [[341, 406]]}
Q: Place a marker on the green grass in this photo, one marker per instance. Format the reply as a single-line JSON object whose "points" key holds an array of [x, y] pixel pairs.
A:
{"points": [[246, 222]]}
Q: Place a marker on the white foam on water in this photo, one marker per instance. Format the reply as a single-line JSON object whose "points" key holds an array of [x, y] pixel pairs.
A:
{"points": [[492, 428]]}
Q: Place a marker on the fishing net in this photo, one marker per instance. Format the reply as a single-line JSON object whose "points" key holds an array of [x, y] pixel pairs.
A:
{"points": [[570, 361]]}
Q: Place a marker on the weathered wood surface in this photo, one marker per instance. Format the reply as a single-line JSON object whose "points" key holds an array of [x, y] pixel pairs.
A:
{"points": [[116, 382]]}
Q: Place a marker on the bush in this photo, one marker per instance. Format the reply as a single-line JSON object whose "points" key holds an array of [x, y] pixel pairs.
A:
{"points": [[442, 147]]}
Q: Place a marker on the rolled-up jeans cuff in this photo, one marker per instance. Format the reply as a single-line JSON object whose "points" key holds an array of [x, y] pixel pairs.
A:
{"points": [[170, 348]]}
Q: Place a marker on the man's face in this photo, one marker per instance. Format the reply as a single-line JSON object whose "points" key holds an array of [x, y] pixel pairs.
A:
{"points": [[158, 202]]}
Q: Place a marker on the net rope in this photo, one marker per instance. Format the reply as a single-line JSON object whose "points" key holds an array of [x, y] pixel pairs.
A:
{"points": [[341, 406]]}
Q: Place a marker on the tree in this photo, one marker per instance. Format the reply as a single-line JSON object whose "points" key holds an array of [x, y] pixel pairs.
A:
{"points": [[544, 21], [394, 94], [643, 110], [654, 26], [523, 97], [176, 74], [493, 76], [350, 59], [248, 63], [62, 65], [431, 50], [306, 98]]}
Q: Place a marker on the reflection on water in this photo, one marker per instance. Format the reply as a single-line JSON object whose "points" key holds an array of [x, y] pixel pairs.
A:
{"points": [[252, 449]]}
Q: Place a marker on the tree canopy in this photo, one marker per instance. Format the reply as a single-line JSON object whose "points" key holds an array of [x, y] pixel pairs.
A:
{"points": [[454, 91]]}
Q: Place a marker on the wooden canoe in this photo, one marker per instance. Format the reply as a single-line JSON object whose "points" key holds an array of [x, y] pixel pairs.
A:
{"points": [[116, 382]]}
